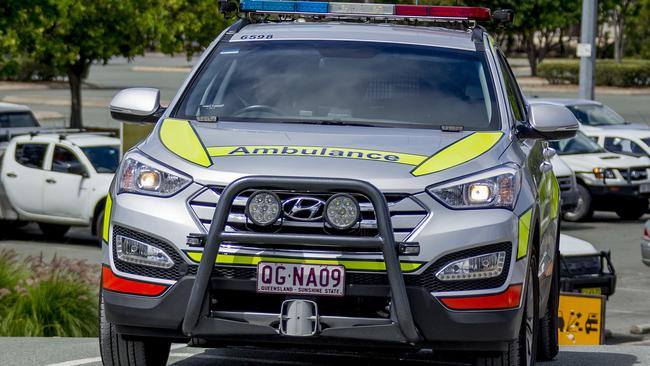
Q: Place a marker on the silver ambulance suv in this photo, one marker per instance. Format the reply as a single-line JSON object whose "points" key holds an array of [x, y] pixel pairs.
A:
{"points": [[343, 176]]}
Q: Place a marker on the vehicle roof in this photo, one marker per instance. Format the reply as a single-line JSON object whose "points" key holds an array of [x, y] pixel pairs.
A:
{"points": [[10, 107], [78, 139], [384, 32], [627, 133], [565, 101]]}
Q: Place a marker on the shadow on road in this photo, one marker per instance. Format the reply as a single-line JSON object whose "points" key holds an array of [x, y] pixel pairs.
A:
{"points": [[31, 232], [575, 358]]}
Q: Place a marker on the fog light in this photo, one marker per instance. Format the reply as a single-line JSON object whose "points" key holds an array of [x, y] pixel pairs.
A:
{"points": [[134, 251], [263, 208], [342, 211], [481, 266]]}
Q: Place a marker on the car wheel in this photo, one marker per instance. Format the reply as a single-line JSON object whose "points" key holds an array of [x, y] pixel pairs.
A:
{"points": [[583, 209], [547, 347], [632, 210], [116, 350], [522, 351], [53, 231], [99, 227]]}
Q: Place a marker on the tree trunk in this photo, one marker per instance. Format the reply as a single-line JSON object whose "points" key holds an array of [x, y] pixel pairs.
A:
{"points": [[76, 74], [531, 52]]}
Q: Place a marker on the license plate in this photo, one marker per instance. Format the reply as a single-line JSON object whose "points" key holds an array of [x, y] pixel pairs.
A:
{"points": [[591, 291], [300, 279], [644, 188]]}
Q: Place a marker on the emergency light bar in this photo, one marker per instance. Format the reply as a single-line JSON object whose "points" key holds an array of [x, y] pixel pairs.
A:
{"points": [[365, 9]]}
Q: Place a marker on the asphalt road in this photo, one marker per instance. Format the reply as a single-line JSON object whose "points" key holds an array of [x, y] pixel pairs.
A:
{"points": [[85, 351]]}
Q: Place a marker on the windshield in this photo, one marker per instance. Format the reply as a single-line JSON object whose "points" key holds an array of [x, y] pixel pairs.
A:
{"points": [[596, 115], [17, 119], [580, 144], [379, 84], [104, 159]]}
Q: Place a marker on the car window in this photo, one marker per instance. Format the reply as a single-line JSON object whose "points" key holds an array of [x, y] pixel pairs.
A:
{"points": [[596, 115], [30, 155], [580, 144], [623, 146], [514, 95], [104, 159], [17, 119], [382, 84], [65, 161]]}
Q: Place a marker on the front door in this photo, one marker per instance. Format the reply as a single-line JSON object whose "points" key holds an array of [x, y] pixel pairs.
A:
{"points": [[66, 186]]}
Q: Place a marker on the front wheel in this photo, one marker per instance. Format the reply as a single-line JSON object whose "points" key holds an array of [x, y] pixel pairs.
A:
{"points": [[632, 210], [119, 351], [99, 227], [522, 351], [53, 231], [583, 209]]}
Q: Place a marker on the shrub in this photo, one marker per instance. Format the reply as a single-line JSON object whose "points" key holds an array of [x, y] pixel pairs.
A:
{"points": [[629, 73], [55, 298]]}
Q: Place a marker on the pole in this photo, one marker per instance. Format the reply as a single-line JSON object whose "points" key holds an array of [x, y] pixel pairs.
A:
{"points": [[587, 48]]}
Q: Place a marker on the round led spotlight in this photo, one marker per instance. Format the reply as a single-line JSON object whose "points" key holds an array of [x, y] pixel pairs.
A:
{"points": [[263, 208], [342, 211]]}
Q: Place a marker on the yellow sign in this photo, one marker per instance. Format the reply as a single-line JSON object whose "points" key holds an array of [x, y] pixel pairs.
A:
{"points": [[581, 319]]}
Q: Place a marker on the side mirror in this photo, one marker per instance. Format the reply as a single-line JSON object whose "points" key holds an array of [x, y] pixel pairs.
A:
{"points": [[549, 121], [137, 105]]}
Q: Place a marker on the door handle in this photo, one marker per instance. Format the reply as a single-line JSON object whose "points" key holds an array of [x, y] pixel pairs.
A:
{"points": [[12, 175], [50, 181], [545, 166]]}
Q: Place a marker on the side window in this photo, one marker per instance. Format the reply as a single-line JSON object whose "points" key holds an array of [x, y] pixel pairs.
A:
{"points": [[623, 146], [514, 94], [65, 161], [31, 155]]}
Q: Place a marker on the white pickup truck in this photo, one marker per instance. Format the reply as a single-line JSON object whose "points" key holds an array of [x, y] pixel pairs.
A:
{"points": [[57, 180]]}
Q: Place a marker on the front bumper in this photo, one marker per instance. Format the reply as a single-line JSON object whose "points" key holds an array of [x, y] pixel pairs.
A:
{"points": [[432, 323], [645, 252]]}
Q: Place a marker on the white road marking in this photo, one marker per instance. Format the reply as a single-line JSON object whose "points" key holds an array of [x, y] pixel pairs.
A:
{"points": [[83, 361]]}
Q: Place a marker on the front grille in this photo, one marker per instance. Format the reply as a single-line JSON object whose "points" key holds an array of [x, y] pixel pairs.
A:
{"points": [[565, 183], [179, 269], [406, 214], [634, 174], [427, 279]]}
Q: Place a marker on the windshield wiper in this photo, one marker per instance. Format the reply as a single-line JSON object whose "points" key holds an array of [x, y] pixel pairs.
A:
{"points": [[327, 122]]}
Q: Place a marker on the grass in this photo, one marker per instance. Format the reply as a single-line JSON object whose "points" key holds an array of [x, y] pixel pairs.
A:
{"points": [[47, 298]]}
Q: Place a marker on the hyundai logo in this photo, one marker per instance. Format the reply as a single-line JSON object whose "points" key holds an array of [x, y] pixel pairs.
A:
{"points": [[304, 208]]}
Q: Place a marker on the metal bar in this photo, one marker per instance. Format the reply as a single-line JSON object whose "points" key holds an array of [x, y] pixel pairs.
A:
{"points": [[402, 315], [302, 239], [588, 29]]}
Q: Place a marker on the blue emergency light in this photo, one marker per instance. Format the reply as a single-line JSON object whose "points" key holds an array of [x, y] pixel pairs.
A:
{"points": [[365, 9]]}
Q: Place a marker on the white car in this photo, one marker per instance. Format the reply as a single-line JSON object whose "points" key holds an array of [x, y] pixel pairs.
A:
{"points": [[58, 180], [584, 269], [622, 141], [15, 119], [566, 179], [593, 115], [645, 244], [606, 181]]}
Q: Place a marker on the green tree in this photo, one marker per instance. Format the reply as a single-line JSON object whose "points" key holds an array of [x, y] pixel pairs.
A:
{"points": [[618, 12], [70, 35], [538, 24]]}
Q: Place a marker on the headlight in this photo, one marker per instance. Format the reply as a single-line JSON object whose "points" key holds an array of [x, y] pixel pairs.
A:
{"points": [[134, 251], [342, 211], [495, 188], [263, 208], [138, 177], [480, 266], [601, 173]]}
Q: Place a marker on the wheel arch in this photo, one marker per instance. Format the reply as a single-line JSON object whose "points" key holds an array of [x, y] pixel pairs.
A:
{"points": [[99, 206]]}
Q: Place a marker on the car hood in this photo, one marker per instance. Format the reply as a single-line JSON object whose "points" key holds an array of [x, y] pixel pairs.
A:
{"points": [[622, 126], [571, 246], [560, 168], [384, 156], [587, 162]]}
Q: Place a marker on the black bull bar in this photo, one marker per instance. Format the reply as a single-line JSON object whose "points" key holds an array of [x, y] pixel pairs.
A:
{"points": [[197, 320]]}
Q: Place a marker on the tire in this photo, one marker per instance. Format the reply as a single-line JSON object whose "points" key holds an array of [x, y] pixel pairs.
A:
{"points": [[521, 351], [99, 227], [547, 345], [116, 350], [53, 231], [583, 209], [632, 210]]}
